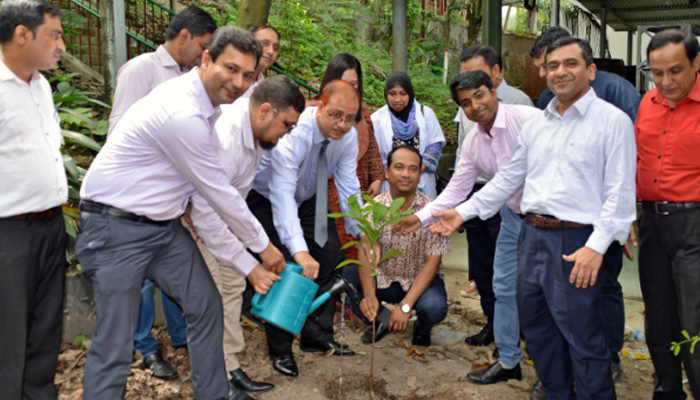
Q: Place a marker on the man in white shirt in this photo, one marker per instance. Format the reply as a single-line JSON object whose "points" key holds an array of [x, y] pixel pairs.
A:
{"points": [[187, 37], [159, 155], [269, 38], [245, 129], [577, 163], [34, 186], [289, 198], [482, 234]]}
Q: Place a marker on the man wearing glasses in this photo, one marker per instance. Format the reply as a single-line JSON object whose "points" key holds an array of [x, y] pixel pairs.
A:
{"points": [[289, 198], [245, 129]]}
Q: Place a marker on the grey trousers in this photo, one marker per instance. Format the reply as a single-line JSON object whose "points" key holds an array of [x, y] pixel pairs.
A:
{"points": [[116, 254]]}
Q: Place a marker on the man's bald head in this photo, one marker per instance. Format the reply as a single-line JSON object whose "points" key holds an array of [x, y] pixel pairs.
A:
{"points": [[341, 89], [340, 105]]}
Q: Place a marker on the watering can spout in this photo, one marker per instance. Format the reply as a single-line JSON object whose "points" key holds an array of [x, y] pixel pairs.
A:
{"points": [[339, 286]]}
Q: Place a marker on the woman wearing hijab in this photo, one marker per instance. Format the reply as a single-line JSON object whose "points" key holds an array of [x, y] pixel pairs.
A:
{"points": [[370, 169], [404, 121]]}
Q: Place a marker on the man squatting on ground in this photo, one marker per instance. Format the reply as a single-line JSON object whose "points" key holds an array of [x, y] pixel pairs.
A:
{"points": [[289, 198], [245, 129], [187, 36], [482, 235], [487, 149], [414, 280], [33, 186], [576, 162], [160, 153]]}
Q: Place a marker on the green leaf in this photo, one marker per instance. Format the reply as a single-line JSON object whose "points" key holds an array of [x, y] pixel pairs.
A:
{"points": [[79, 138], [676, 350], [692, 346], [354, 205], [379, 212], [70, 230], [350, 244], [390, 253], [80, 338], [685, 334], [396, 205], [70, 166], [369, 199], [80, 114], [392, 221], [339, 215], [351, 261]]}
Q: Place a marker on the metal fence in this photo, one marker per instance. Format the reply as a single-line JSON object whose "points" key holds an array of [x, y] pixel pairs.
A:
{"points": [[83, 39], [146, 23]]}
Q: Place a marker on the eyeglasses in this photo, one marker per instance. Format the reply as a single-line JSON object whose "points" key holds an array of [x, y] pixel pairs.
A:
{"points": [[338, 117], [290, 126]]}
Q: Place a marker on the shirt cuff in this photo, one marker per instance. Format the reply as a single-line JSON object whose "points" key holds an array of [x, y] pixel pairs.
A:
{"points": [[466, 211], [245, 263], [599, 241], [260, 242], [297, 245], [424, 216]]}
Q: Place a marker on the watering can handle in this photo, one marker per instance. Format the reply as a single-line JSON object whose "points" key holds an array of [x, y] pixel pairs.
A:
{"points": [[319, 300], [258, 300]]}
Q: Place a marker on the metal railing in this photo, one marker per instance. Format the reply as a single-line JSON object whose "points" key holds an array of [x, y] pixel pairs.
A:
{"points": [[84, 42], [146, 24]]}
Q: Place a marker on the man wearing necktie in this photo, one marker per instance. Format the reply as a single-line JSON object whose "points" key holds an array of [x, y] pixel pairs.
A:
{"points": [[289, 198]]}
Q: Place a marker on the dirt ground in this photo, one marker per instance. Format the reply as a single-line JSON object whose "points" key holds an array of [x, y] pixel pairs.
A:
{"points": [[400, 372]]}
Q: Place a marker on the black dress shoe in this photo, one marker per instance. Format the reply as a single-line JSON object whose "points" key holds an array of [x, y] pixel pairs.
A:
{"points": [[418, 339], [314, 347], [240, 380], [538, 392], [235, 393], [285, 365], [161, 369], [483, 338], [495, 373], [381, 330]]}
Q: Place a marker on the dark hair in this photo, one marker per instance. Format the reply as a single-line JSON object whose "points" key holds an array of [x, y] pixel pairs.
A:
{"points": [[676, 36], [546, 39], [197, 21], [335, 69], [470, 80], [489, 54], [256, 28], [281, 92], [242, 40], [586, 51], [29, 13], [390, 156]]}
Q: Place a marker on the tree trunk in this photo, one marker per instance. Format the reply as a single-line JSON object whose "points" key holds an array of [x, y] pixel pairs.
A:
{"points": [[399, 48], [252, 12], [474, 21]]}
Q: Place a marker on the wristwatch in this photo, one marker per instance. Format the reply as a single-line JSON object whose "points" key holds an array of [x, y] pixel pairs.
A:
{"points": [[405, 308]]}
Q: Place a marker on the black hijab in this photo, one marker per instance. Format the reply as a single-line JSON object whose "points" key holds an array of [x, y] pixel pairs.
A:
{"points": [[402, 79]]}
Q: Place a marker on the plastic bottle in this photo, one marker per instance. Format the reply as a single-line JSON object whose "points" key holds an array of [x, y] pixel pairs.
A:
{"points": [[636, 354], [639, 336]]}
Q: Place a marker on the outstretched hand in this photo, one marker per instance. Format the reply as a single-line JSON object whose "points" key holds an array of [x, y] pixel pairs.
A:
{"points": [[449, 221], [409, 224]]}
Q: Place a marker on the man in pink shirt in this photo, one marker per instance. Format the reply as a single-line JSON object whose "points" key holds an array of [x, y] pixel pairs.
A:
{"points": [[487, 148], [187, 37]]}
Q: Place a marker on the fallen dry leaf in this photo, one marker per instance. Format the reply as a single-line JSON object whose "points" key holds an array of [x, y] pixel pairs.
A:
{"points": [[478, 367], [411, 381]]}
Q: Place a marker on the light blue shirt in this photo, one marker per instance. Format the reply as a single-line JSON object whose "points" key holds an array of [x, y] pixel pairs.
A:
{"points": [[577, 167], [287, 176]]}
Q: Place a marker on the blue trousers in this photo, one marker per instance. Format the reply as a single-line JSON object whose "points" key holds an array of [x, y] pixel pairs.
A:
{"points": [[562, 324], [506, 327], [431, 307], [144, 341]]}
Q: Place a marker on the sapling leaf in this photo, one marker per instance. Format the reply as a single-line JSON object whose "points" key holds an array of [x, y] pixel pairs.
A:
{"points": [[379, 212], [396, 205], [685, 334], [348, 262], [369, 199], [390, 253], [350, 244]]}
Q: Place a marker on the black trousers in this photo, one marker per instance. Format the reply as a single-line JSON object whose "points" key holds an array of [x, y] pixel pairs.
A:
{"points": [[33, 270], [669, 273], [481, 241], [319, 325]]}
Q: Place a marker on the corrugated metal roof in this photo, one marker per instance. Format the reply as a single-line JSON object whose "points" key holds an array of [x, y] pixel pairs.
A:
{"points": [[624, 15]]}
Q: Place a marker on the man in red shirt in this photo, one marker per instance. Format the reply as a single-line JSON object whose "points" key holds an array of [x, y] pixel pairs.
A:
{"points": [[668, 183]]}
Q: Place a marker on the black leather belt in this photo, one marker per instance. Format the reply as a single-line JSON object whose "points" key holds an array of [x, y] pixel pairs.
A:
{"points": [[666, 208], [47, 215], [99, 208]]}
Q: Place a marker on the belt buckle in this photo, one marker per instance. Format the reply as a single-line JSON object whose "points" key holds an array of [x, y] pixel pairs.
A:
{"points": [[656, 208]]}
